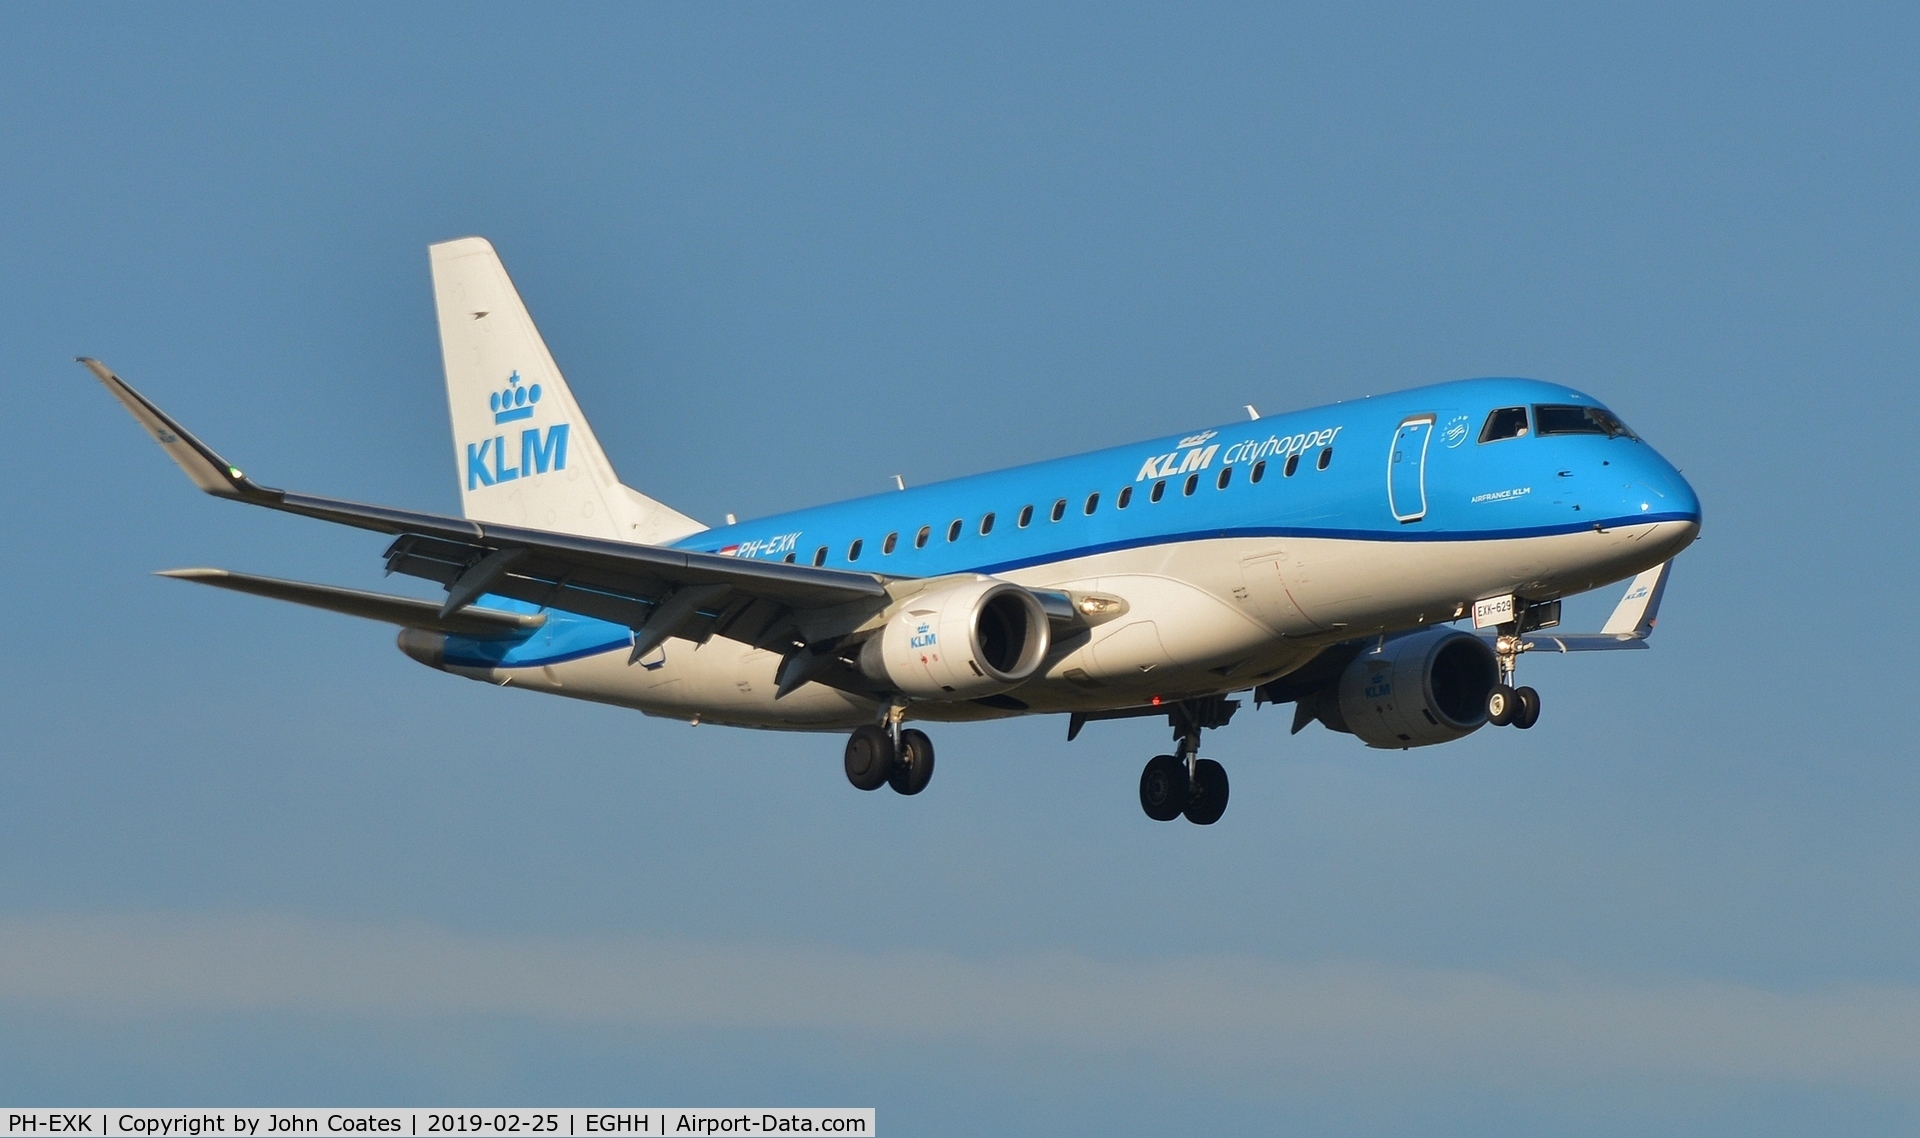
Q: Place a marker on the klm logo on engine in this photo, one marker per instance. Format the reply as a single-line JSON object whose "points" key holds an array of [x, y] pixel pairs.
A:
{"points": [[539, 451], [923, 637], [1380, 683]]}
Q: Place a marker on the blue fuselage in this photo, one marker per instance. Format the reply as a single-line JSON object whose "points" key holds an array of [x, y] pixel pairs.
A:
{"points": [[1326, 472], [1490, 461]]}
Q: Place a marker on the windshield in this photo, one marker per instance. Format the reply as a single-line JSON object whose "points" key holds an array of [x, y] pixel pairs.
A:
{"points": [[1571, 419], [1505, 423]]}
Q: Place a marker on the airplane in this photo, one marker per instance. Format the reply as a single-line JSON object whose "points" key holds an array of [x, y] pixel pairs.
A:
{"points": [[1323, 558]]}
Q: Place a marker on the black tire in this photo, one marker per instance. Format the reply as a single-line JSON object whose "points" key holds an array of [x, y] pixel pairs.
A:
{"points": [[1502, 705], [913, 765], [1208, 799], [869, 758], [1163, 788], [1528, 713]]}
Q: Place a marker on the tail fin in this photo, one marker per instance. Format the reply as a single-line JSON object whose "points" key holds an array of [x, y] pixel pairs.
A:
{"points": [[526, 455]]}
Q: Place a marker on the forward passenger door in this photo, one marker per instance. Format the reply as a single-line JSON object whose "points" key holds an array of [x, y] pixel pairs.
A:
{"points": [[1407, 468]]}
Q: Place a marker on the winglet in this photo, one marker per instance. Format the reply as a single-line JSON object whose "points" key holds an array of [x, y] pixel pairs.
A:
{"points": [[1633, 618], [208, 470], [1628, 627]]}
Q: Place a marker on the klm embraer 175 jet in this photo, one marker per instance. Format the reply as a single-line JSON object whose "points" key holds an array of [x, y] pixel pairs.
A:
{"points": [[1318, 558]]}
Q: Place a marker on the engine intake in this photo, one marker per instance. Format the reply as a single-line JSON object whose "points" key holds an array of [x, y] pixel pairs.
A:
{"points": [[961, 642], [1415, 691]]}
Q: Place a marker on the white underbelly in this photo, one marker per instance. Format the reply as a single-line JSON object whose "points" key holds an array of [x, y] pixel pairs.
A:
{"points": [[1202, 617]]}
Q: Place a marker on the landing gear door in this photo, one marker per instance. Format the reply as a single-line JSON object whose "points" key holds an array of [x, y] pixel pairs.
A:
{"points": [[1407, 469]]}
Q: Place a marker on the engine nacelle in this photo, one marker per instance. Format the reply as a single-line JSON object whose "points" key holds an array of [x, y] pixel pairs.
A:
{"points": [[961, 642], [1430, 687]]}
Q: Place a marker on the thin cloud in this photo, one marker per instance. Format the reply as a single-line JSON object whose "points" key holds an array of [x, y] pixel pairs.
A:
{"points": [[1233, 1013]]}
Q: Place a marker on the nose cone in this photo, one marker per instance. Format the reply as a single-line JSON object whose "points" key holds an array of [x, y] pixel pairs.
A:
{"points": [[1661, 495], [430, 648]]}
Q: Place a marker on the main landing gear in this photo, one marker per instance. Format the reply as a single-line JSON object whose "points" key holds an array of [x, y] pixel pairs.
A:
{"points": [[1508, 706], [886, 755], [1183, 783]]}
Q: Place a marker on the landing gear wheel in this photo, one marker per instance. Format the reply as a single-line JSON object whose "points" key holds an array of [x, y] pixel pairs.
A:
{"points": [[870, 758], [1207, 799], [1163, 788], [913, 764], [1528, 713], [1502, 705]]}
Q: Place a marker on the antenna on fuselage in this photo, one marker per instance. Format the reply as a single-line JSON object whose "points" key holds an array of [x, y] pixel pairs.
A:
{"points": [[1252, 414]]}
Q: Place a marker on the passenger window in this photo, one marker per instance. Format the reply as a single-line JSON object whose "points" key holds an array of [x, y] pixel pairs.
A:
{"points": [[787, 560], [1026, 516], [853, 551], [886, 546], [953, 531], [920, 539], [1226, 476], [1293, 464], [820, 556], [1159, 491], [1093, 503], [1125, 496], [1258, 472], [1326, 459], [1060, 509], [986, 525], [1193, 482], [1505, 423]]}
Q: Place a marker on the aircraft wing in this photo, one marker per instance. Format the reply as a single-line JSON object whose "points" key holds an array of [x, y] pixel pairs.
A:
{"points": [[659, 592]]}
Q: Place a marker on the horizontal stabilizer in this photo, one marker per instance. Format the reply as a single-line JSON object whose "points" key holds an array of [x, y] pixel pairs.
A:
{"points": [[403, 611], [1629, 626]]}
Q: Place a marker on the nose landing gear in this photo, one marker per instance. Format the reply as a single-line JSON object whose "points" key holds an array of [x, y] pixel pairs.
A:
{"points": [[1506, 704]]}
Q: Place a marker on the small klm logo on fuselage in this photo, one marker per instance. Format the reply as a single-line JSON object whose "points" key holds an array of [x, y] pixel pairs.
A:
{"points": [[539, 451]]}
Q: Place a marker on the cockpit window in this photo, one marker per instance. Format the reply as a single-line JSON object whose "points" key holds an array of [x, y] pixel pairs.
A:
{"points": [[1506, 423], [1569, 419]]}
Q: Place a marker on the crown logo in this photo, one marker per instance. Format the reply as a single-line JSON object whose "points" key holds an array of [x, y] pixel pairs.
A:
{"points": [[516, 402]]}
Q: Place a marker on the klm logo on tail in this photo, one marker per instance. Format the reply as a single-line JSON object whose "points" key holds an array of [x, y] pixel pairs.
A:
{"points": [[487, 459], [516, 402]]}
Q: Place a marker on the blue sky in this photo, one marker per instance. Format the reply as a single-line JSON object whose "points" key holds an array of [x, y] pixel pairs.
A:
{"points": [[252, 854]]}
